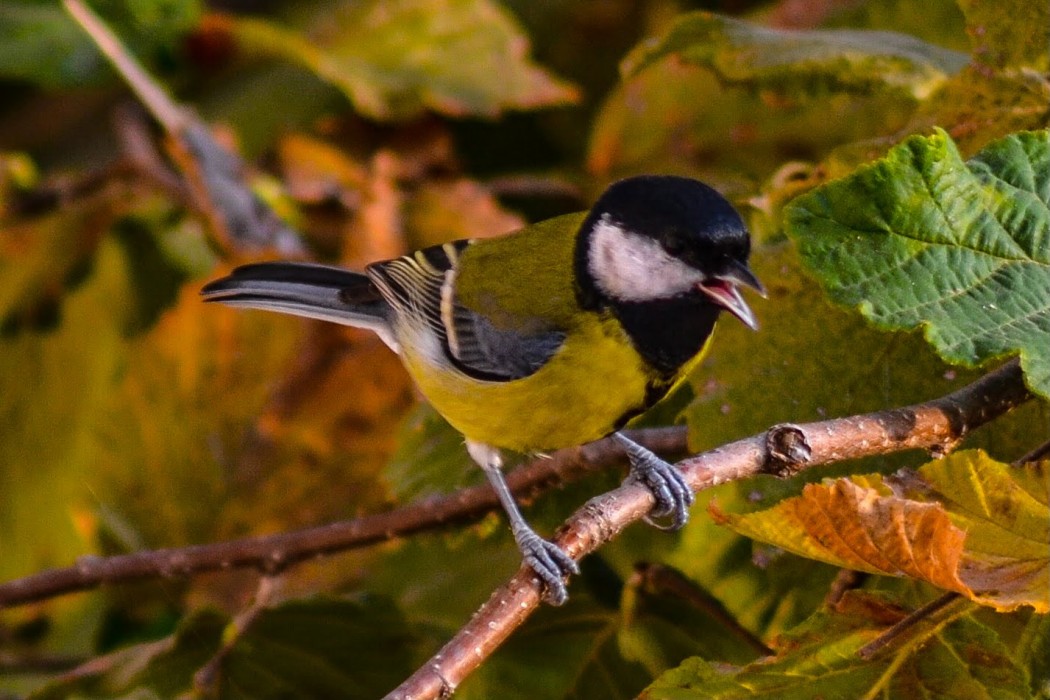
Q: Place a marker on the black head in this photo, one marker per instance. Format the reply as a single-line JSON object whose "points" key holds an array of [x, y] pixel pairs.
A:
{"points": [[660, 237]]}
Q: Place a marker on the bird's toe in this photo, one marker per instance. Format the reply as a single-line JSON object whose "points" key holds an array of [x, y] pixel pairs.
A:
{"points": [[551, 564], [672, 494]]}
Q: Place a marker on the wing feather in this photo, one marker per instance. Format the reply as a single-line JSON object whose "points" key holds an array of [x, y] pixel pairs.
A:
{"points": [[421, 288]]}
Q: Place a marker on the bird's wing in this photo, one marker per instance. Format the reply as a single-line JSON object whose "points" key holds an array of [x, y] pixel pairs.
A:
{"points": [[421, 287]]}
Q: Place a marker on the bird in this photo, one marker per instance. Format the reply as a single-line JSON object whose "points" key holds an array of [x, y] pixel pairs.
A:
{"points": [[551, 337]]}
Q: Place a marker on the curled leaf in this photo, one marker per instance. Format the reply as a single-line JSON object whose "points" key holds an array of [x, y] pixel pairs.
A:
{"points": [[965, 523]]}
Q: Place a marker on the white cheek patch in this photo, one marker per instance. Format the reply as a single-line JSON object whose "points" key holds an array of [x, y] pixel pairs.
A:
{"points": [[631, 267]]}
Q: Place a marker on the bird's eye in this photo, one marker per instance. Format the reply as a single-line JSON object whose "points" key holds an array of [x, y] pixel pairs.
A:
{"points": [[674, 243]]}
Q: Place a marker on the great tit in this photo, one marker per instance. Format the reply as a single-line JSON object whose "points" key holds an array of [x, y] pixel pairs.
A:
{"points": [[548, 338]]}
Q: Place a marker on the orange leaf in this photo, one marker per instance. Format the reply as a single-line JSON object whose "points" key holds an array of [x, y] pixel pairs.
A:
{"points": [[965, 523]]}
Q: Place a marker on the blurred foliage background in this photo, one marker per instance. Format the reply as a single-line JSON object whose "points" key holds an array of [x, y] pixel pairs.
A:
{"points": [[132, 417]]}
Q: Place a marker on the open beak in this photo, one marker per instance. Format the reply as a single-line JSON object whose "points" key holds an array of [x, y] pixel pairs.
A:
{"points": [[723, 289]]}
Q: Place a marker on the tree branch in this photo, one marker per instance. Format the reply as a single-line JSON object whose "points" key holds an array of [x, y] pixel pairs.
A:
{"points": [[1035, 454], [906, 624], [936, 426], [272, 553]]}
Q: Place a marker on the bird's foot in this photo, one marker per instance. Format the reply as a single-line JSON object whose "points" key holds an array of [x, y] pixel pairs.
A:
{"points": [[673, 496], [549, 561]]}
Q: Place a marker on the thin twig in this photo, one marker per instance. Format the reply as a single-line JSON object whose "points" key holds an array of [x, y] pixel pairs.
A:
{"points": [[665, 580], [206, 679], [273, 553], [904, 625], [11, 664], [156, 100], [936, 426], [101, 665], [1035, 454], [215, 176]]}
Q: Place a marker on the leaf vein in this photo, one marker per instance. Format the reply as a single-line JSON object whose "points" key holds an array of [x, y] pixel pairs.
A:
{"points": [[939, 203], [988, 334]]}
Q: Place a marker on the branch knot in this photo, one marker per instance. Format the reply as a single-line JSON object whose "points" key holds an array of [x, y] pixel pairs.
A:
{"points": [[787, 450]]}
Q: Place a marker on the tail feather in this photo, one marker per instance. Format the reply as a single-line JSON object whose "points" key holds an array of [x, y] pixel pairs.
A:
{"points": [[303, 289]]}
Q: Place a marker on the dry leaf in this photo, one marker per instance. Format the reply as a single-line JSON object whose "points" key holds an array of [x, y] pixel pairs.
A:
{"points": [[965, 523]]}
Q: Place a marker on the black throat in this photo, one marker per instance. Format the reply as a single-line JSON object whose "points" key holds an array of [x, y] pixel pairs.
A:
{"points": [[667, 333]]}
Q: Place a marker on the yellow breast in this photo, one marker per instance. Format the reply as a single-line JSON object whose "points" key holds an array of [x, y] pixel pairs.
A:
{"points": [[593, 380]]}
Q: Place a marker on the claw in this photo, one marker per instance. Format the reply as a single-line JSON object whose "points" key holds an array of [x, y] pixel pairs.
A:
{"points": [[673, 496], [550, 562]]}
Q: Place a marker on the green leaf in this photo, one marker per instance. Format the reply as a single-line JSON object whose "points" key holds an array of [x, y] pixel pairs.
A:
{"points": [[314, 648], [920, 238], [324, 648], [801, 61], [957, 659], [394, 60], [1034, 653], [442, 578], [820, 361], [965, 523], [41, 43]]}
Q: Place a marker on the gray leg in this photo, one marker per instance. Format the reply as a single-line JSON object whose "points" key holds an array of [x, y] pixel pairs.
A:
{"points": [[673, 496], [548, 560]]}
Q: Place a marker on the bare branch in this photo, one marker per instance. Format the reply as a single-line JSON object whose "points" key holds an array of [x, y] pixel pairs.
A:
{"points": [[273, 553], [156, 100], [936, 426], [215, 176], [908, 623], [1035, 454], [37, 663]]}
